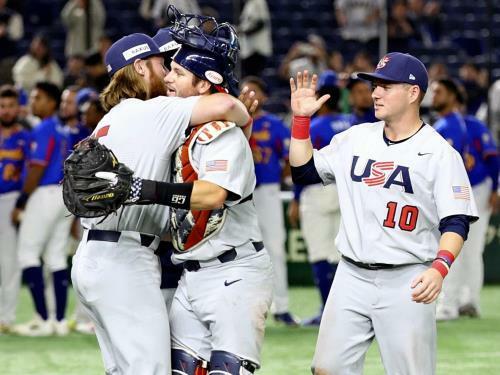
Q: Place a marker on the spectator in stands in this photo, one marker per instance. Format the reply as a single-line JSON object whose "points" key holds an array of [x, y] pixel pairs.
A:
{"points": [[37, 65], [74, 71], [475, 87], [359, 21], [362, 62], [426, 15], [159, 10], [11, 31], [336, 61], [310, 55], [401, 30], [84, 22], [96, 73], [254, 31]]}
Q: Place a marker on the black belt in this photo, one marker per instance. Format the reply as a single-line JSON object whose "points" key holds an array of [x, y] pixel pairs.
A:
{"points": [[114, 236], [226, 256], [372, 266]]}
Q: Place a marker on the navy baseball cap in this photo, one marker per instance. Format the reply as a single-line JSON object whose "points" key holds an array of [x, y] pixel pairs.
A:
{"points": [[127, 49], [401, 68], [327, 78], [166, 42]]}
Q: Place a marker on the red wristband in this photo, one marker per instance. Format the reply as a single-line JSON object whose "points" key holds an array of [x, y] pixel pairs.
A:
{"points": [[300, 127], [441, 266], [446, 256]]}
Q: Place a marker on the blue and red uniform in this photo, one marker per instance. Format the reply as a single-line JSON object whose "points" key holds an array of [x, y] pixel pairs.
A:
{"points": [[13, 152], [452, 128], [482, 158], [77, 134], [270, 142], [50, 144]]}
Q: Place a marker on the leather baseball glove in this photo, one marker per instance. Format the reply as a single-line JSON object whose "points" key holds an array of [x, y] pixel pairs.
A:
{"points": [[86, 193]]}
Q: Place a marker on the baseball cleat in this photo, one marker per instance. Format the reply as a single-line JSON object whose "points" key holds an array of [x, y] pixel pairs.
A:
{"points": [[469, 310], [445, 314], [34, 328], [61, 328], [287, 319], [314, 321], [85, 328]]}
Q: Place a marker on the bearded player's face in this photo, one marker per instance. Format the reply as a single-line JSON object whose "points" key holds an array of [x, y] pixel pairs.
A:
{"points": [[155, 76]]}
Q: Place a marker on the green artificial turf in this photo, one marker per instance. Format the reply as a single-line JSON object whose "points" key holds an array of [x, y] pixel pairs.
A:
{"points": [[465, 346]]}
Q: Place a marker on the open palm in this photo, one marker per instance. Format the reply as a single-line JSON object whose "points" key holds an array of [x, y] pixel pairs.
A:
{"points": [[303, 95]]}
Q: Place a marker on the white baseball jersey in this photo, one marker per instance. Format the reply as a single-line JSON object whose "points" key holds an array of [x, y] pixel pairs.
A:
{"points": [[143, 135], [227, 161], [392, 197]]}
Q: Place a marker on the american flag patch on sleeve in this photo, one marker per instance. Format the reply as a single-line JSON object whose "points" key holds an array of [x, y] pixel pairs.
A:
{"points": [[216, 166], [461, 192]]}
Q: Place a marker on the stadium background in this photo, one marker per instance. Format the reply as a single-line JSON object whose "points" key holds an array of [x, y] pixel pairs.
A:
{"points": [[471, 34]]}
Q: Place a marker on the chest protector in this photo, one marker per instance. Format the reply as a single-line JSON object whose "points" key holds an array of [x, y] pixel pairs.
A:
{"points": [[191, 228]]}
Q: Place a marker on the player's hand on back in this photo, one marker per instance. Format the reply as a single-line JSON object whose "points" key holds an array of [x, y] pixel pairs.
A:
{"points": [[427, 286], [303, 95], [247, 98]]}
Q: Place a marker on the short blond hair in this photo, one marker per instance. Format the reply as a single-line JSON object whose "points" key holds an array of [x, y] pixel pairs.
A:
{"points": [[125, 83]]}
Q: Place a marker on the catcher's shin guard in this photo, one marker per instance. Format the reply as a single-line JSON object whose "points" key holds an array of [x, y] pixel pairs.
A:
{"points": [[185, 363], [225, 363]]}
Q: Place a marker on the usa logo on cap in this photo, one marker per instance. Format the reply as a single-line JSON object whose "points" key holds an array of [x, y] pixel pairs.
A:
{"points": [[383, 62]]}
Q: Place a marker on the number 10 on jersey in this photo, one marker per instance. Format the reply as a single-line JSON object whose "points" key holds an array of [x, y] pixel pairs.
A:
{"points": [[407, 219]]}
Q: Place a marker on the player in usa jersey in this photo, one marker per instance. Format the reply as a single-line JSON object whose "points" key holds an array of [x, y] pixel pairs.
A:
{"points": [[45, 225], [461, 290], [319, 205], [218, 313], [406, 204], [14, 147], [116, 273], [269, 142]]}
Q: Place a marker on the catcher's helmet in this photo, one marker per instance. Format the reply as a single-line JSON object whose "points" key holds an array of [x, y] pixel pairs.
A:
{"points": [[209, 49]]}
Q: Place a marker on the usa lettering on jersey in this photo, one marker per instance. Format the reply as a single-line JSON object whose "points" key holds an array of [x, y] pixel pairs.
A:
{"points": [[378, 173]]}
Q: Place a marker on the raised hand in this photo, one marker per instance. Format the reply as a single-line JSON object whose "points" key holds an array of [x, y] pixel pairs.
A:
{"points": [[303, 95], [247, 98]]}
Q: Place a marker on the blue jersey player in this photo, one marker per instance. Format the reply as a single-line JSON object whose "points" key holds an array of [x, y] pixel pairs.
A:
{"points": [[451, 124], [462, 289], [319, 206], [270, 140], [13, 149], [44, 220]]}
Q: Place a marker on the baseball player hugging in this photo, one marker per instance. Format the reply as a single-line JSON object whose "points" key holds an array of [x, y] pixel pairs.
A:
{"points": [[217, 317]]}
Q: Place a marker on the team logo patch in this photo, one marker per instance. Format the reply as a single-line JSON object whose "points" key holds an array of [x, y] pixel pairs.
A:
{"points": [[213, 77], [216, 166], [383, 62], [135, 51], [169, 46]]}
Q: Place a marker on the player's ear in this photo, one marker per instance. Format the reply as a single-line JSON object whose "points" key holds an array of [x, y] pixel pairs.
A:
{"points": [[203, 87], [140, 67], [414, 93]]}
